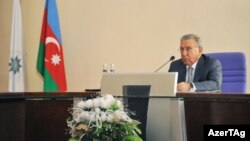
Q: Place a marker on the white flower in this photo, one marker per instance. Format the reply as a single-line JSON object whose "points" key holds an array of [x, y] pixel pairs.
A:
{"points": [[97, 111], [84, 116], [110, 118], [117, 115], [104, 104], [103, 116], [76, 116], [89, 103], [81, 104], [87, 116], [97, 102], [106, 101], [109, 98], [92, 116]]}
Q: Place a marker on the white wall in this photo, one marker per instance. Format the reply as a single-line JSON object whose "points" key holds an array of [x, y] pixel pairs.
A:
{"points": [[135, 35]]}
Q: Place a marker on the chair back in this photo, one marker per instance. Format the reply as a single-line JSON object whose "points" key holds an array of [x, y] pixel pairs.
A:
{"points": [[233, 71]]}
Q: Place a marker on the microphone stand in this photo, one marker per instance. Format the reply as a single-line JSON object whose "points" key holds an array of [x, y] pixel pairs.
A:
{"points": [[171, 59], [162, 66]]}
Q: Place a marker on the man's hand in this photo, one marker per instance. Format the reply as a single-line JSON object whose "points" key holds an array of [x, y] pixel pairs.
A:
{"points": [[183, 86]]}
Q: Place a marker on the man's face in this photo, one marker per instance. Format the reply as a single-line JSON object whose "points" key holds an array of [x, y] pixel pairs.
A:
{"points": [[190, 52]]}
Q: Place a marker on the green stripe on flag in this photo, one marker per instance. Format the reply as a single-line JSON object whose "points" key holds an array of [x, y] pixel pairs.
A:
{"points": [[49, 83], [40, 59]]}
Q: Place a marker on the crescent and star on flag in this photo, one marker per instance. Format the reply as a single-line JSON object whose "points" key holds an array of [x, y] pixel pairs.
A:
{"points": [[55, 58]]}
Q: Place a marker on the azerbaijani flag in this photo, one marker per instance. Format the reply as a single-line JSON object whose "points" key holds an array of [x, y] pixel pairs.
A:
{"points": [[50, 62]]}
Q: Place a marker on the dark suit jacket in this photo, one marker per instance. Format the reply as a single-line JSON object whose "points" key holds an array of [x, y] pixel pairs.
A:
{"points": [[208, 73]]}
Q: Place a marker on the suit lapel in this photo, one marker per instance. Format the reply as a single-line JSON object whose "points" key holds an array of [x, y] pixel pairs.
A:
{"points": [[182, 75], [199, 69]]}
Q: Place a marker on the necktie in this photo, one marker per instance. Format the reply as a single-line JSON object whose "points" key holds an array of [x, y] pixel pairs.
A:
{"points": [[190, 74]]}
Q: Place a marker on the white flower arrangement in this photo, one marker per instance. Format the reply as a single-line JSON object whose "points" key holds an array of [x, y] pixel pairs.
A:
{"points": [[102, 119]]}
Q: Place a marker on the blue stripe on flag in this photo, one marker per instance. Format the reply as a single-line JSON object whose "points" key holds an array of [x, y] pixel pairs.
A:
{"points": [[52, 18]]}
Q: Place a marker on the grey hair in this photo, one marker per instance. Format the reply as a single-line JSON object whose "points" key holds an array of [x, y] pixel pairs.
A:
{"points": [[192, 36]]}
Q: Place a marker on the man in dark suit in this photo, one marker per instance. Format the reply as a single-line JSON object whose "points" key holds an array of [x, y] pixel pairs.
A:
{"points": [[196, 71]]}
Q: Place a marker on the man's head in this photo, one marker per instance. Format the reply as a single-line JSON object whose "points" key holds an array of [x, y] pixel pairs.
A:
{"points": [[190, 49]]}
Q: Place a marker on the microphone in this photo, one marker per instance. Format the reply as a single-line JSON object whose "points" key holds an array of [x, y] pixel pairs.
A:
{"points": [[170, 59]]}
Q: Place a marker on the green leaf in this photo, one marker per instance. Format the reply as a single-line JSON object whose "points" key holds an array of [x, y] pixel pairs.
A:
{"points": [[132, 138], [114, 106], [73, 139]]}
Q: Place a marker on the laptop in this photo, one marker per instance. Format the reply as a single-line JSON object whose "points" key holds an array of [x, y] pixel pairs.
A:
{"points": [[157, 84]]}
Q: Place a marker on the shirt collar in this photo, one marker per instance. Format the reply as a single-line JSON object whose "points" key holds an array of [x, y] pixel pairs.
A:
{"points": [[193, 66]]}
